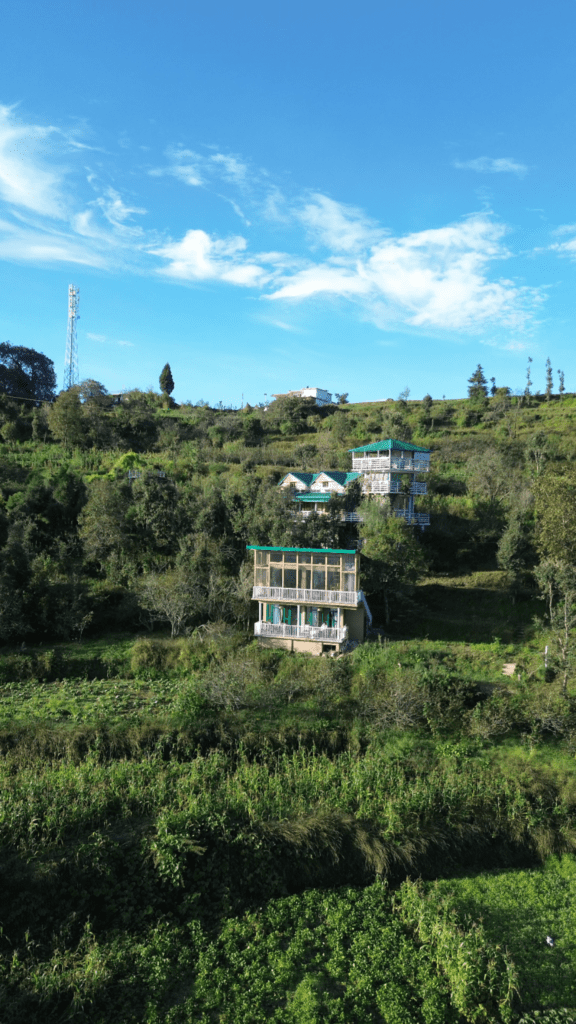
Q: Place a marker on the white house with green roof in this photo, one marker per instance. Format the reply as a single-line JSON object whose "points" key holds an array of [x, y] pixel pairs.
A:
{"points": [[309, 599], [389, 469]]}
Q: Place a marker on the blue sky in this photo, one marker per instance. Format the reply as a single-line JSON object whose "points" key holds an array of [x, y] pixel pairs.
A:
{"points": [[359, 197]]}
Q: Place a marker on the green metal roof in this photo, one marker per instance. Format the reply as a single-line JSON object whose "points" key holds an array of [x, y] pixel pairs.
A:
{"points": [[312, 496], [387, 445], [308, 478], [313, 551]]}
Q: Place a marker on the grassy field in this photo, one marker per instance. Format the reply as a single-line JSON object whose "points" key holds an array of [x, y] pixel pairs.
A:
{"points": [[202, 830]]}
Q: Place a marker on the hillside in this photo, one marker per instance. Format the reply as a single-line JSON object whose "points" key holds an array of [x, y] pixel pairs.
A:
{"points": [[196, 829]]}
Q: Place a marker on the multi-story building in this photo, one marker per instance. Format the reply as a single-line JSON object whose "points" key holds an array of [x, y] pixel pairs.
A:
{"points": [[312, 491], [309, 599], [389, 469], [320, 396]]}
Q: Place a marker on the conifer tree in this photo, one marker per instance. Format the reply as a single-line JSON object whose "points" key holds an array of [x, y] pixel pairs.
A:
{"points": [[166, 380], [549, 380], [478, 385], [561, 387]]}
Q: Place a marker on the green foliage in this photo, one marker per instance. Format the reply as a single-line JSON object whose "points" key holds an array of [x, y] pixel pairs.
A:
{"points": [[166, 380]]}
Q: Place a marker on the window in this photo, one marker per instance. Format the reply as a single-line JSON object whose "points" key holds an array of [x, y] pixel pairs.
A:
{"points": [[275, 556], [349, 579], [333, 560], [304, 558], [289, 615], [319, 579], [304, 579], [349, 562], [333, 579], [289, 556], [261, 577], [261, 558], [275, 577], [319, 559], [289, 577]]}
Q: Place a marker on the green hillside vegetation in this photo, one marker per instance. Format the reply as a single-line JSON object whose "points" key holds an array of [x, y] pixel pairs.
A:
{"points": [[194, 828]]}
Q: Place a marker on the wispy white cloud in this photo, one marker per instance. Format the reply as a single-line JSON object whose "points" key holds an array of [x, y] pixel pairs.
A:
{"points": [[339, 227], [508, 346], [489, 165], [26, 179], [103, 340], [200, 257], [438, 279], [431, 279]]}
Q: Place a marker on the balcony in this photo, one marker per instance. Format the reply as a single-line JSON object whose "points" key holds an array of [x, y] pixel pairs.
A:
{"points": [[366, 465], [300, 632], [348, 517], [415, 518], [339, 597], [391, 487]]}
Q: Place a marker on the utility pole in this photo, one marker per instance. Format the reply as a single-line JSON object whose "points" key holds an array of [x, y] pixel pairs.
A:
{"points": [[71, 361]]}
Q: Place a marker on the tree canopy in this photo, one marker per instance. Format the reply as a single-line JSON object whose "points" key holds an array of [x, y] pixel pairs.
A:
{"points": [[25, 373], [166, 380]]}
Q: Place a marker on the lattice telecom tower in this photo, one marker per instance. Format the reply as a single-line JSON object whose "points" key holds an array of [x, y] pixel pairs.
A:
{"points": [[71, 361]]}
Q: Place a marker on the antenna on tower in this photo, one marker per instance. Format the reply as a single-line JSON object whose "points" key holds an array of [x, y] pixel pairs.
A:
{"points": [[71, 361]]}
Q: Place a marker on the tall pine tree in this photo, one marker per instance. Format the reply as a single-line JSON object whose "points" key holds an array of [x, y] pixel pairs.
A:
{"points": [[549, 380], [166, 380], [477, 385]]}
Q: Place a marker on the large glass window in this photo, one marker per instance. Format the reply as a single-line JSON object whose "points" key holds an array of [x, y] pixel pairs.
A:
{"points": [[319, 579], [319, 559], [262, 577], [275, 577], [333, 579], [275, 556], [289, 556], [290, 614], [349, 562], [261, 558], [349, 579], [289, 577], [304, 579], [333, 559]]}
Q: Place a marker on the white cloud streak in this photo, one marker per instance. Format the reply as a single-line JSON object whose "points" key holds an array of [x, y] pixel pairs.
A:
{"points": [[437, 279], [489, 165]]}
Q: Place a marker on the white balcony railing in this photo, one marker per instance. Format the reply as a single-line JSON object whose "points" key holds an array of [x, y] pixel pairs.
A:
{"points": [[349, 597], [416, 518], [300, 632], [348, 517], [381, 465], [391, 487]]}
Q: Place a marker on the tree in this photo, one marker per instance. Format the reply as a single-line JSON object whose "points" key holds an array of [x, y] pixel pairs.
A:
{"points": [[493, 389], [478, 385], [549, 380], [166, 380], [169, 597], [528, 379], [557, 582], [343, 398], [561, 387], [427, 403], [25, 373], [66, 420], [555, 510], [394, 556]]}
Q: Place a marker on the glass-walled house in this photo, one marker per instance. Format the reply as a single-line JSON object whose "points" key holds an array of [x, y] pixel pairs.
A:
{"points": [[390, 471], [309, 599]]}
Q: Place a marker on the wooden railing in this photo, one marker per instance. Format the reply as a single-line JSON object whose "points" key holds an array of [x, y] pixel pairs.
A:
{"points": [[350, 597], [391, 487], [300, 632], [365, 465]]}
